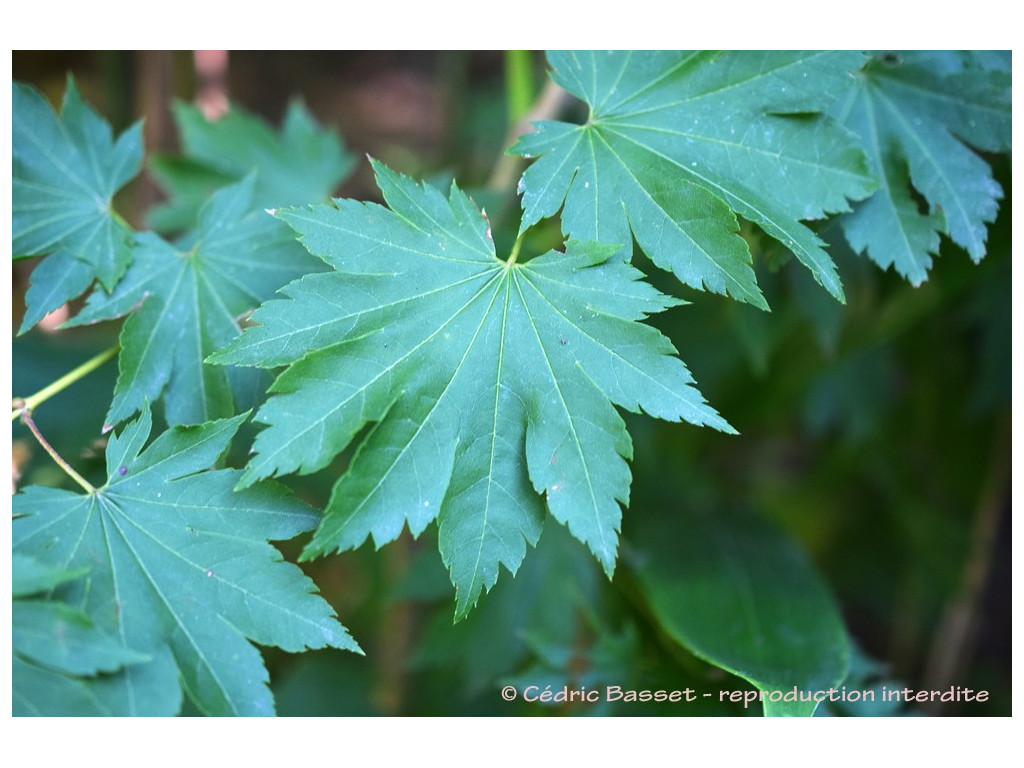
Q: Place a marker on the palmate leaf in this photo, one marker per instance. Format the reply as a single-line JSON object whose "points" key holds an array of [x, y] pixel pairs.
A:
{"points": [[915, 113], [677, 142], [489, 383], [66, 169], [301, 163], [186, 301], [179, 569]]}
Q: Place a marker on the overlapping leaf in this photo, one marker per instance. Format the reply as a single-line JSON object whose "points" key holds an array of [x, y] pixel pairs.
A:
{"points": [[179, 569], [187, 300], [676, 142], [58, 651], [915, 113], [66, 170], [488, 382], [302, 163]]}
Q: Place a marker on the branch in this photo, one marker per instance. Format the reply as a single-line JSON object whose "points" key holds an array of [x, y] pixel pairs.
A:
{"points": [[954, 638], [552, 100]]}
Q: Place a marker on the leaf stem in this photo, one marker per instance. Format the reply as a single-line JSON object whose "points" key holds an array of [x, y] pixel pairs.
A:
{"points": [[518, 84], [120, 219], [22, 406], [26, 418], [515, 251]]}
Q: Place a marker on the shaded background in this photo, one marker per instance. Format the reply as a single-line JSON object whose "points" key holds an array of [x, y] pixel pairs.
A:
{"points": [[876, 435]]}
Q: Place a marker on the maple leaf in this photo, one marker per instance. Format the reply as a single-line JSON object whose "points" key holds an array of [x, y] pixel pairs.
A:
{"points": [[676, 142], [192, 294], [916, 112], [489, 382], [57, 649], [301, 163], [179, 569], [66, 169]]}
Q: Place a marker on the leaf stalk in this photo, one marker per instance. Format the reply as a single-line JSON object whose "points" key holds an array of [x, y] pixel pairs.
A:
{"points": [[25, 405], [515, 251], [26, 418]]}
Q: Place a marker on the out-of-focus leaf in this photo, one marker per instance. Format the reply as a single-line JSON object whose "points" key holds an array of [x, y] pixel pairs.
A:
{"points": [[301, 163], [544, 605], [30, 576], [738, 594], [64, 638], [56, 647], [326, 684]]}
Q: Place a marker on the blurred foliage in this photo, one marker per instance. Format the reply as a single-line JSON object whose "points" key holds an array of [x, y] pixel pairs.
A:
{"points": [[874, 435]]}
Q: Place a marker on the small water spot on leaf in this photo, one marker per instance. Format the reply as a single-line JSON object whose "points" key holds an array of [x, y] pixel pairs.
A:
{"points": [[122, 471], [209, 573], [426, 503]]}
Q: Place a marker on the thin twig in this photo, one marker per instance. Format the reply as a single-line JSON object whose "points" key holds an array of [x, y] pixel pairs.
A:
{"points": [[951, 650], [26, 417], [549, 104]]}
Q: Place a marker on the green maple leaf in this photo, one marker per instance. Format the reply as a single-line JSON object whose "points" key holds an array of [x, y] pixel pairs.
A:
{"points": [[916, 113], [57, 649], [66, 169], [180, 569], [57, 635], [488, 383], [192, 294], [676, 142], [301, 163]]}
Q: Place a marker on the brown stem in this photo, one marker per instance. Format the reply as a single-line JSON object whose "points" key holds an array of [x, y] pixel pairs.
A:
{"points": [[26, 417], [549, 104], [951, 649], [390, 690]]}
